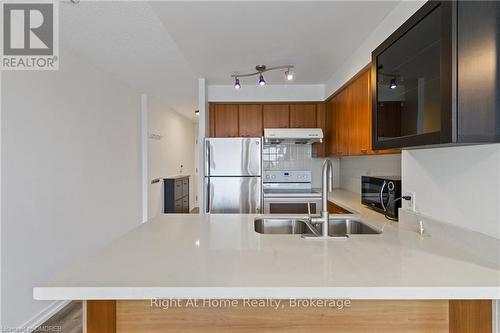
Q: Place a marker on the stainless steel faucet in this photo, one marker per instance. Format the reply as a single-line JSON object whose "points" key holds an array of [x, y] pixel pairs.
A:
{"points": [[327, 187]]}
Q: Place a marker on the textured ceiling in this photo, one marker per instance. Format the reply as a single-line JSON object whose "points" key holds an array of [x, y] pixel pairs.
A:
{"points": [[162, 47]]}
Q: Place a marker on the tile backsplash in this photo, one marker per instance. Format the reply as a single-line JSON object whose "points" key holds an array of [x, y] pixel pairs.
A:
{"points": [[287, 157]]}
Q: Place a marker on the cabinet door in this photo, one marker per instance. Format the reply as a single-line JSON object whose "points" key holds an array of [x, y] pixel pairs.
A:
{"points": [[185, 204], [321, 149], [226, 120], [178, 206], [303, 115], [332, 120], [360, 116], [250, 120], [185, 186], [342, 122], [478, 72], [276, 115], [211, 120], [178, 189]]}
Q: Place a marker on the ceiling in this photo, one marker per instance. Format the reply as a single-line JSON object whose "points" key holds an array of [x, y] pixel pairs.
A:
{"points": [[162, 47]]}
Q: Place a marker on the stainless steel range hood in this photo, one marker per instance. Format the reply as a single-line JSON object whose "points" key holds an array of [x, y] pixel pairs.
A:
{"points": [[293, 135]]}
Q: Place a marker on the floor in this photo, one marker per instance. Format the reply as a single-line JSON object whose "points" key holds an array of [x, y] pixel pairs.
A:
{"points": [[68, 320]]}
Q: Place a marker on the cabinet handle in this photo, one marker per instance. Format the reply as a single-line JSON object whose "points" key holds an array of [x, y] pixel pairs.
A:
{"points": [[364, 151]]}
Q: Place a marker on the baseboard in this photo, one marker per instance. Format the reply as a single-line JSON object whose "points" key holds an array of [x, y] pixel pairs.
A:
{"points": [[44, 315]]}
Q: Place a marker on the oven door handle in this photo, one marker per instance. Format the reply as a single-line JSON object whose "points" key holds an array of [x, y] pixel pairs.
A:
{"points": [[382, 196]]}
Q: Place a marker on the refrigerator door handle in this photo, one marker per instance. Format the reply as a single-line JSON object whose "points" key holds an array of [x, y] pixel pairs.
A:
{"points": [[207, 195], [207, 158]]}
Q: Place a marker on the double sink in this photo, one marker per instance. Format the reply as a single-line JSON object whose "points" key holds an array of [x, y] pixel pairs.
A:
{"points": [[296, 226]]}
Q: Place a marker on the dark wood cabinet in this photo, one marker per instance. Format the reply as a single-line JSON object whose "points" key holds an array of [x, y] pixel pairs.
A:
{"points": [[303, 115], [478, 71], [445, 62], [276, 115], [250, 120], [176, 194], [226, 120]]}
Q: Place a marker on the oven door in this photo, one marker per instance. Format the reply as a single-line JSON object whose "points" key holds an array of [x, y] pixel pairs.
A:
{"points": [[291, 205]]}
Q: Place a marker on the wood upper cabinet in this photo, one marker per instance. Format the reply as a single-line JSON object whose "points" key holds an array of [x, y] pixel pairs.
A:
{"points": [[250, 120], [321, 149], [341, 122], [348, 115], [359, 116], [303, 115], [211, 120], [225, 120], [276, 115]]}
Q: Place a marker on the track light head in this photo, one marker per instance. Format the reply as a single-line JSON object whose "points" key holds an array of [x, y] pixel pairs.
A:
{"points": [[262, 82], [237, 84], [289, 75]]}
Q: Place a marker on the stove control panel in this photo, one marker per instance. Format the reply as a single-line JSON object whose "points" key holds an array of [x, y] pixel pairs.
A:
{"points": [[287, 176]]}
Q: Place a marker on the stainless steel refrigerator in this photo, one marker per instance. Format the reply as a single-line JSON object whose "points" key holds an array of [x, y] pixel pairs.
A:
{"points": [[233, 169]]}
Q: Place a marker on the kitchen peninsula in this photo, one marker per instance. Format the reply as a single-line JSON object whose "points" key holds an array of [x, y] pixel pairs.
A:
{"points": [[398, 276]]}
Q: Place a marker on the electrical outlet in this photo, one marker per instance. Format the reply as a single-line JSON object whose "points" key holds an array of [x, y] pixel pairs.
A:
{"points": [[411, 204]]}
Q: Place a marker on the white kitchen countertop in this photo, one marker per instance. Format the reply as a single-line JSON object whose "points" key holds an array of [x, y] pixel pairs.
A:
{"points": [[221, 256]]}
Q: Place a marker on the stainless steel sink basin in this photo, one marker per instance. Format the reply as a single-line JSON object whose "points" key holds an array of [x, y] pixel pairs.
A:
{"points": [[280, 226], [285, 226]]}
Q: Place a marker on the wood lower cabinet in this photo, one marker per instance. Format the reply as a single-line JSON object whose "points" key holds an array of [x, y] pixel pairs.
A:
{"points": [[336, 209], [276, 115], [357, 316]]}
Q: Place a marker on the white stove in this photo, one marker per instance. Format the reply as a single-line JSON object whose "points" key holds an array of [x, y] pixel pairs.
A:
{"points": [[289, 192]]}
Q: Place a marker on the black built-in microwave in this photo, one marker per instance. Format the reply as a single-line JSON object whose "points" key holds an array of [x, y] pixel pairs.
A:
{"points": [[382, 194]]}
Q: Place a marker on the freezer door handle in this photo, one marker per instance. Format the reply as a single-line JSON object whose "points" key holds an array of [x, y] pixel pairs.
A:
{"points": [[207, 158]]}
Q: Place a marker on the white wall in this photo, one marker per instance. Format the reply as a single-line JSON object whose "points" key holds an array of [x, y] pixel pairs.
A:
{"points": [[317, 168], [256, 93], [362, 56], [175, 148], [458, 185], [352, 168], [70, 171]]}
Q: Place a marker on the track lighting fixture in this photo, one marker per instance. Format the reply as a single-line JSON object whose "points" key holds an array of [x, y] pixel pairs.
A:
{"points": [[260, 69], [262, 82], [197, 112], [393, 84]]}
